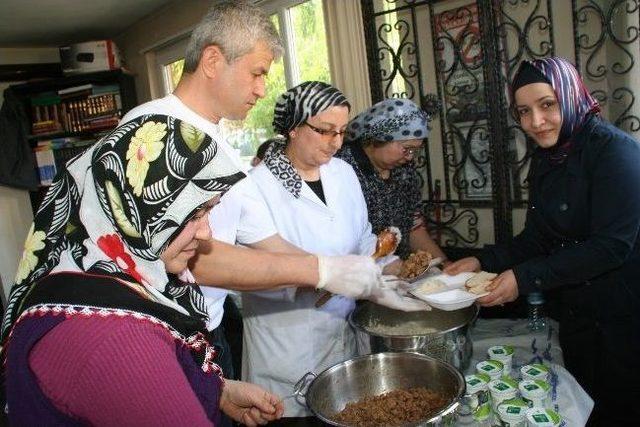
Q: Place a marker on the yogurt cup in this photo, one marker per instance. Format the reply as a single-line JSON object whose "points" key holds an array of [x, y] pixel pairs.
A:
{"points": [[493, 368], [504, 354], [541, 417], [535, 371], [483, 415], [536, 393], [501, 390], [477, 392], [513, 413]]}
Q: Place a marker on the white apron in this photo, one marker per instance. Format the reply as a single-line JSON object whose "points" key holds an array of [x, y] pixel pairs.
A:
{"points": [[285, 336]]}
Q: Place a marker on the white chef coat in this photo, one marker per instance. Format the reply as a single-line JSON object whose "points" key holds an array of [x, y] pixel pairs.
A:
{"points": [[240, 217], [285, 336]]}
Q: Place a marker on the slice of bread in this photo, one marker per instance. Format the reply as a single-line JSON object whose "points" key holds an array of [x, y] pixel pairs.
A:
{"points": [[478, 283]]}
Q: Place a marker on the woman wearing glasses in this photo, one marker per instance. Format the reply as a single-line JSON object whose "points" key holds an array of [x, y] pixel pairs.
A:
{"points": [[380, 144], [317, 205]]}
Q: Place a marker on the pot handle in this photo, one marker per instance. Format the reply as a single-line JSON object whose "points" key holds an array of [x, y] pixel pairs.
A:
{"points": [[301, 387], [447, 412]]}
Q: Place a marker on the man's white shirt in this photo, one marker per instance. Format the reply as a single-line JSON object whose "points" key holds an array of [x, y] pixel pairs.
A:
{"points": [[241, 216]]}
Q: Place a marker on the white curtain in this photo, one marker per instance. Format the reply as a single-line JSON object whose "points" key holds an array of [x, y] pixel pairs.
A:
{"points": [[347, 51]]}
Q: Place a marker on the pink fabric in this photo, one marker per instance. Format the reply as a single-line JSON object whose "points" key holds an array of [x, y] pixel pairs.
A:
{"points": [[114, 372]]}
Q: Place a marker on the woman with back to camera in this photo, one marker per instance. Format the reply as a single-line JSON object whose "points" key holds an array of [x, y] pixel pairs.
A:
{"points": [[581, 235]]}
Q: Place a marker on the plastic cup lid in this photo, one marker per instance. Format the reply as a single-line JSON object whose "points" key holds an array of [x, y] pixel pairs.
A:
{"points": [[476, 382], [535, 370], [503, 385], [490, 366], [543, 417], [534, 388], [513, 409], [500, 351]]}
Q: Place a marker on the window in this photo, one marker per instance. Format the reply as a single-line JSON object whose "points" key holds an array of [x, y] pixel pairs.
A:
{"points": [[171, 75], [301, 26]]}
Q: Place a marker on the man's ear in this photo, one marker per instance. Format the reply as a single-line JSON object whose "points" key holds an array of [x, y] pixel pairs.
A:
{"points": [[211, 60]]}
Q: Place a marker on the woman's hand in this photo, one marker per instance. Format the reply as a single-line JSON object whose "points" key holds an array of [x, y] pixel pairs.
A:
{"points": [[503, 288], [250, 404], [462, 265]]}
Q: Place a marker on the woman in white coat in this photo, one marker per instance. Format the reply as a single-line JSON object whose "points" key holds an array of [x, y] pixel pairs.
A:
{"points": [[317, 205]]}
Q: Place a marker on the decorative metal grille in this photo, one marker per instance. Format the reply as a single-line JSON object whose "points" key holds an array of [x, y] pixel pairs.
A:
{"points": [[467, 52]]}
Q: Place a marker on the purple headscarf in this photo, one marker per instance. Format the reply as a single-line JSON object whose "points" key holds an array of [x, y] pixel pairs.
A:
{"points": [[575, 101]]}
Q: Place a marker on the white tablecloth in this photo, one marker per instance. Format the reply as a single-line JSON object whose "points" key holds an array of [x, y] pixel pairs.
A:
{"points": [[569, 398]]}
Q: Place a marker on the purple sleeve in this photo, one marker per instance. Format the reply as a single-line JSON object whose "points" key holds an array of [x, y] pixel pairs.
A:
{"points": [[115, 371]]}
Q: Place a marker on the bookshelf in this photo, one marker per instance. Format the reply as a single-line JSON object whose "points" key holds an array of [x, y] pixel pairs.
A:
{"points": [[69, 114]]}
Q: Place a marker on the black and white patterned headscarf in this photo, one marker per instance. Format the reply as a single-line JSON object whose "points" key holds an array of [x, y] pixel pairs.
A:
{"points": [[117, 206], [389, 120], [293, 108], [296, 105]]}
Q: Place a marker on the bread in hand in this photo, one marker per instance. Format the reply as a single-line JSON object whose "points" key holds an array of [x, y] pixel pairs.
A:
{"points": [[479, 282]]}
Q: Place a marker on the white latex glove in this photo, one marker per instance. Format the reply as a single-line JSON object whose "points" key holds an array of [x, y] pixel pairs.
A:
{"points": [[353, 276], [392, 293]]}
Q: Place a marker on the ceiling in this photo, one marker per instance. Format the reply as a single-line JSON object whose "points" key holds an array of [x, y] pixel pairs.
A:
{"points": [[25, 23]]}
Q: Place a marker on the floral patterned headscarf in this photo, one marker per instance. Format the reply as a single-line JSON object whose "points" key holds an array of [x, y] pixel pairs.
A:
{"points": [[117, 206]]}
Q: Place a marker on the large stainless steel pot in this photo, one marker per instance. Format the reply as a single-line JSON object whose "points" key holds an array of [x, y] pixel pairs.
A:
{"points": [[441, 334], [328, 393]]}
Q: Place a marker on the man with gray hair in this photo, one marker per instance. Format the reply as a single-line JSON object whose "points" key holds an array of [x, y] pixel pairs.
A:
{"points": [[228, 57]]}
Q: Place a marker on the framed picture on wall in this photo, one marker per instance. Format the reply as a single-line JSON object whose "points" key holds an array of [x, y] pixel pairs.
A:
{"points": [[459, 63]]}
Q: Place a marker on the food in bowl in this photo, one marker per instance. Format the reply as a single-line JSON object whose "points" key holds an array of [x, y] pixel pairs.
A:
{"points": [[415, 264], [478, 283], [394, 408], [431, 286]]}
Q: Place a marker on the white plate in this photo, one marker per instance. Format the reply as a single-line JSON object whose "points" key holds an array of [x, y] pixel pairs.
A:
{"points": [[452, 282], [453, 297], [451, 300]]}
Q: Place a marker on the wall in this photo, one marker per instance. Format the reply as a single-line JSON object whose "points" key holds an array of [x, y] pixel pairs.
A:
{"points": [[15, 207], [160, 27]]}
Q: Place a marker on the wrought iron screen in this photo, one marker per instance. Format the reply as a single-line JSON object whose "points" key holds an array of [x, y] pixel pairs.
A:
{"points": [[456, 57]]}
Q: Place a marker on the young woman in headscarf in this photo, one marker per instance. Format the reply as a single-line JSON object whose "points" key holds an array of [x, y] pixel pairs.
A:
{"points": [[102, 326], [581, 236], [380, 145], [317, 205]]}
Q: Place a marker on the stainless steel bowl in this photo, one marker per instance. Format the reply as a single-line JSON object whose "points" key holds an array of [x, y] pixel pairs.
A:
{"points": [[374, 374], [437, 333]]}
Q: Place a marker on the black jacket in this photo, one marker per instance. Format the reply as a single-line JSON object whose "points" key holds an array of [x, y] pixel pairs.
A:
{"points": [[17, 162], [583, 222]]}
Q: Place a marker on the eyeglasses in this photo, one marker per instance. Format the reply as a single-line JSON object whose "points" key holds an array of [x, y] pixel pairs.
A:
{"points": [[409, 151], [326, 132]]}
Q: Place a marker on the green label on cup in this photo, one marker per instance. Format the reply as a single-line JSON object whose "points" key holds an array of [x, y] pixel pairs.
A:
{"points": [[541, 418], [474, 381], [501, 386], [498, 351], [530, 387], [533, 371], [514, 410], [488, 368]]}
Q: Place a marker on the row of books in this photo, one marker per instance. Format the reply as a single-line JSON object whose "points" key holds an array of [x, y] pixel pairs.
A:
{"points": [[51, 155], [85, 108]]}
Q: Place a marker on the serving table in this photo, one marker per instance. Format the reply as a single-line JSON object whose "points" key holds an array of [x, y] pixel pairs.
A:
{"points": [[569, 398]]}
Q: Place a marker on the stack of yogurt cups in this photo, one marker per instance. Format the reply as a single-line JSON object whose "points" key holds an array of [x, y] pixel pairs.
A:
{"points": [[509, 402]]}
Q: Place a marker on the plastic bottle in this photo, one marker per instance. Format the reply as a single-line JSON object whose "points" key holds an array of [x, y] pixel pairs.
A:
{"points": [[537, 319]]}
